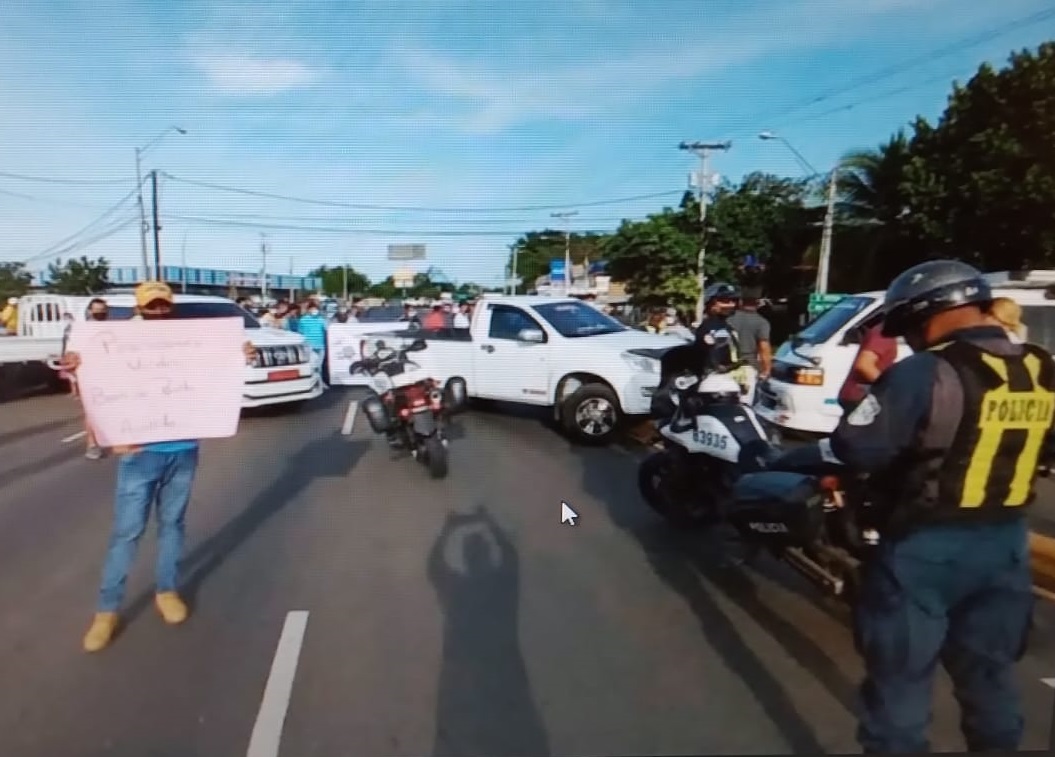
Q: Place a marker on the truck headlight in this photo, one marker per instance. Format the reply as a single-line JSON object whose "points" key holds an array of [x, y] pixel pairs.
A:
{"points": [[641, 363]]}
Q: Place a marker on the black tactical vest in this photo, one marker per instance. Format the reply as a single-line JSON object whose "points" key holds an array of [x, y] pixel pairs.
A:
{"points": [[988, 472]]}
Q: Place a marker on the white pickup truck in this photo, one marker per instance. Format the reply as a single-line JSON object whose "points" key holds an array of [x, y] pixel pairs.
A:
{"points": [[286, 370], [549, 352]]}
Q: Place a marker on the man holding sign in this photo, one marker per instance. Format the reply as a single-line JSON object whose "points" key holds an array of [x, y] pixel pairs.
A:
{"points": [[151, 388]]}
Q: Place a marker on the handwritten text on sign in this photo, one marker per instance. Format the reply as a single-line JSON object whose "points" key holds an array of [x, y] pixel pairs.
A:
{"points": [[159, 381]]}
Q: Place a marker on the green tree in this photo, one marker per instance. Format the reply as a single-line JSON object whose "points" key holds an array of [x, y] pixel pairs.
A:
{"points": [[656, 259], [872, 240], [333, 280], [981, 182], [765, 216], [536, 249], [79, 276], [15, 281], [386, 289]]}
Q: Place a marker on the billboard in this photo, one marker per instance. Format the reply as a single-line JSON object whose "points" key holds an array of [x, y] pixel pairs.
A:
{"points": [[406, 252], [556, 270]]}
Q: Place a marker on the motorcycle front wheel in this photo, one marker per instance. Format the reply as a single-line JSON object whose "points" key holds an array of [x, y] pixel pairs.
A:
{"points": [[664, 482]]}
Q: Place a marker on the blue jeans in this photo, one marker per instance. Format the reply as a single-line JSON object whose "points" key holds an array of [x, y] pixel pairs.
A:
{"points": [[142, 479], [958, 595]]}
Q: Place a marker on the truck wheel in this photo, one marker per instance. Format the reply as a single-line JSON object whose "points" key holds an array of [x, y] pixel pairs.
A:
{"points": [[591, 415]]}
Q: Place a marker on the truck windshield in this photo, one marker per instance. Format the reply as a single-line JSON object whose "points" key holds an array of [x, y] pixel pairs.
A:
{"points": [[575, 319], [196, 310], [824, 326]]}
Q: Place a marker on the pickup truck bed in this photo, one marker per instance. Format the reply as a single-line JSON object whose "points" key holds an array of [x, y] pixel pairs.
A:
{"points": [[28, 349]]}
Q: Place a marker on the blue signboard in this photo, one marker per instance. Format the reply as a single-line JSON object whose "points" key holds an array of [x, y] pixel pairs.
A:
{"points": [[556, 270]]}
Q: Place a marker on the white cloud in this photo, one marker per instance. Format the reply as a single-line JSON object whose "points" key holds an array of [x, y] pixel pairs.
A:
{"points": [[536, 90], [246, 75]]}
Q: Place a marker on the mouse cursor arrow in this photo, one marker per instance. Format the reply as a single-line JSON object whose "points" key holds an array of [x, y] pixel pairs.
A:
{"points": [[567, 515]]}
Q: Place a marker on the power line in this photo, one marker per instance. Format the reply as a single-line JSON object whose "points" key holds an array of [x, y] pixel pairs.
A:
{"points": [[71, 239], [339, 220], [85, 243], [869, 100], [893, 70], [72, 182], [345, 230], [416, 209], [47, 200]]}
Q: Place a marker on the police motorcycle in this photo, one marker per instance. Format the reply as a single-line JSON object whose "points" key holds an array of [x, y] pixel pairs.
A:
{"points": [[407, 405], [718, 466]]}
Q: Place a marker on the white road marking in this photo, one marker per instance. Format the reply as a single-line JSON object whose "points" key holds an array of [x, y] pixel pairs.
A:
{"points": [[74, 437], [1048, 682], [349, 418], [267, 731]]}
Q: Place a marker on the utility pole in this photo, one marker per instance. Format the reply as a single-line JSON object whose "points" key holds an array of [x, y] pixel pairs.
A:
{"points": [[183, 262], [826, 237], [142, 216], [263, 274], [157, 226], [292, 291], [567, 247], [703, 150], [344, 271], [513, 275]]}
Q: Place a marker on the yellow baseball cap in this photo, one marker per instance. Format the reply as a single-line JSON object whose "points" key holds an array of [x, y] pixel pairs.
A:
{"points": [[153, 291]]}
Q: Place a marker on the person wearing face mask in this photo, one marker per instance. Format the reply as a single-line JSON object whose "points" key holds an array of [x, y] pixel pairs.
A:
{"points": [[162, 472], [312, 326], [953, 438]]}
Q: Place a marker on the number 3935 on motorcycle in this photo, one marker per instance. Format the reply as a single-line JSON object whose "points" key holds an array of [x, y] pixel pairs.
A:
{"points": [[710, 439]]}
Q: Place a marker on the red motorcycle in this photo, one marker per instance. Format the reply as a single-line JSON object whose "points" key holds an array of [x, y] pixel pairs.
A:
{"points": [[408, 406]]}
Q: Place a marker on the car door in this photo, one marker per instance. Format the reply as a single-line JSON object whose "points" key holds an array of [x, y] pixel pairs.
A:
{"points": [[505, 368]]}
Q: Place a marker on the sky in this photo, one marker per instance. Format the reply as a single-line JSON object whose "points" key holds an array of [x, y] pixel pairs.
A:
{"points": [[457, 124]]}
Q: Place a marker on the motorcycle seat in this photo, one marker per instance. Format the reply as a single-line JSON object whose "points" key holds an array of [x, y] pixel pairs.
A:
{"points": [[758, 455]]}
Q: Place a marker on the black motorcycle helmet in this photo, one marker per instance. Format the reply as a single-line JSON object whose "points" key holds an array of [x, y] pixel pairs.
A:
{"points": [[923, 291], [720, 291]]}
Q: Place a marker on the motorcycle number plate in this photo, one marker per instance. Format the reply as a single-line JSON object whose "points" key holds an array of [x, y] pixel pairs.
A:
{"points": [[711, 439]]}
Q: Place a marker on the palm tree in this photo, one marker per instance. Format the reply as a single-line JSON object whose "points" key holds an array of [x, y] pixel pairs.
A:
{"points": [[873, 208], [870, 182]]}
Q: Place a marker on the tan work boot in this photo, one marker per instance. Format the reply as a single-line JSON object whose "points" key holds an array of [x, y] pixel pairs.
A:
{"points": [[171, 607], [101, 632]]}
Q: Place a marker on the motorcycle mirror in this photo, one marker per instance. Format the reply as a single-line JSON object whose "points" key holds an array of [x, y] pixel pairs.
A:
{"points": [[417, 345]]}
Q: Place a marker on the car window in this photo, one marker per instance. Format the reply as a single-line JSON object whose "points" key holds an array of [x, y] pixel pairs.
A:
{"points": [[575, 319], [507, 322], [824, 326], [1040, 320], [186, 310]]}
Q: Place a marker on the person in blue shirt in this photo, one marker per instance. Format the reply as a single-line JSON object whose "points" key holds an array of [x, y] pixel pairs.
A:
{"points": [[312, 326], [164, 472]]}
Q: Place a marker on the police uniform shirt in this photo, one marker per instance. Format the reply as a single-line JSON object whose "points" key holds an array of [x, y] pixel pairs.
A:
{"points": [[718, 339], [914, 412]]}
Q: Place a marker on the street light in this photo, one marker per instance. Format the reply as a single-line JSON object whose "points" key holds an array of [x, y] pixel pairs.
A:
{"points": [[824, 259], [768, 136], [139, 195]]}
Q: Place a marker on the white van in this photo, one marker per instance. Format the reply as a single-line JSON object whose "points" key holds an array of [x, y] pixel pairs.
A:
{"points": [[286, 370], [802, 393]]}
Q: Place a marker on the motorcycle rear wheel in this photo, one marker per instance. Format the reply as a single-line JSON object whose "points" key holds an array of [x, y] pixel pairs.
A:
{"points": [[665, 485], [436, 457]]}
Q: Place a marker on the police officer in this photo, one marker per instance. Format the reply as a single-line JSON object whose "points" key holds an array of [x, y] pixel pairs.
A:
{"points": [[965, 423], [715, 337]]}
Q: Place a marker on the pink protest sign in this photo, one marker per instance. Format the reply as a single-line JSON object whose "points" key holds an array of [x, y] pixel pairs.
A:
{"points": [[160, 381]]}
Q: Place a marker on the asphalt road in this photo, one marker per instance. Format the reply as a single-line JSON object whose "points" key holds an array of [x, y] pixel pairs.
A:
{"points": [[504, 633]]}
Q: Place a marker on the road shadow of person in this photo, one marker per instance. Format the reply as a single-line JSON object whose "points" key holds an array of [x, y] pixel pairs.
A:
{"points": [[692, 562], [329, 457], [484, 703]]}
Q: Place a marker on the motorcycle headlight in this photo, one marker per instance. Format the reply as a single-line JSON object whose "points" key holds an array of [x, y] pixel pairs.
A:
{"points": [[641, 363]]}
